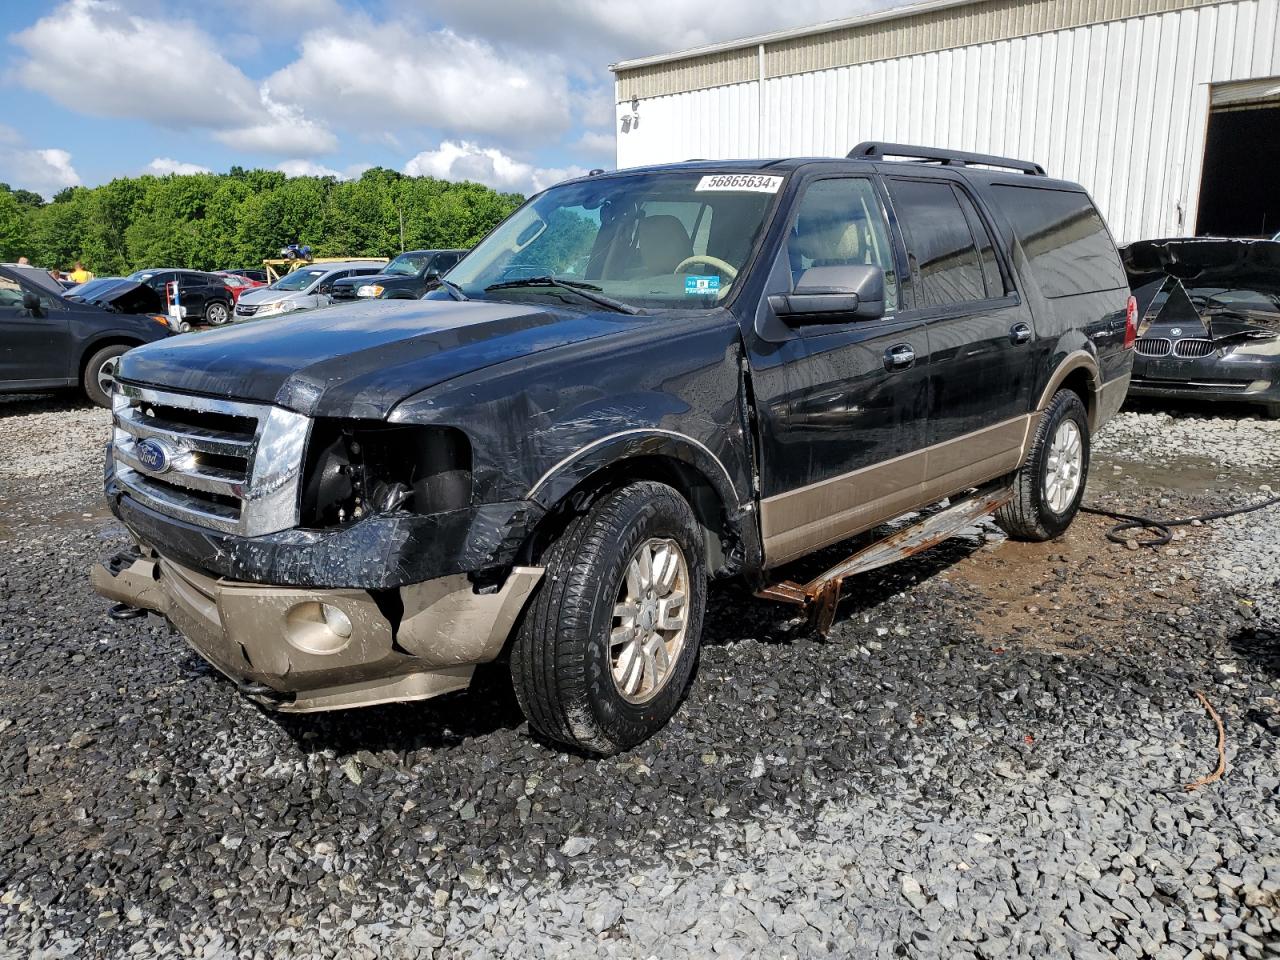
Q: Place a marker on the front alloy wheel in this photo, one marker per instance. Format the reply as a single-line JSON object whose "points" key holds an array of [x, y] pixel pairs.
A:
{"points": [[608, 642], [649, 620]]}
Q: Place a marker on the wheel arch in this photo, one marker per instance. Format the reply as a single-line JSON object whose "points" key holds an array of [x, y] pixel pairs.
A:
{"points": [[1077, 371], [107, 340], [674, 459]]}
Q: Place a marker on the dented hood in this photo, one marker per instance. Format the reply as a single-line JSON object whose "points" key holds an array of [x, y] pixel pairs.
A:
{"points": [[359, 360]]}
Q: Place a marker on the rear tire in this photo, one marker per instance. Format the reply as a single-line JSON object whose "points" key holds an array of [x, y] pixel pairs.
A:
{"points": [[599, 662], [217, 313], [99, 374], [1047, 490]]}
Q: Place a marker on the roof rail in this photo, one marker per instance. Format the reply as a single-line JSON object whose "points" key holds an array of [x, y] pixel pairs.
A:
{"points": [[875, 150]]}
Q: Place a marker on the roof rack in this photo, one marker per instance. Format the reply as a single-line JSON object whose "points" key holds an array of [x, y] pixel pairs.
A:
{"points": [[875, 150]]}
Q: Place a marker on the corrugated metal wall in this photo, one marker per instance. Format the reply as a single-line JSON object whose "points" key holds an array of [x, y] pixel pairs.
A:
{"points": [[1120, 107]]}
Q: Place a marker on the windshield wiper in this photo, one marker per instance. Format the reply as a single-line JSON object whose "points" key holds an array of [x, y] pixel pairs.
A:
{"points": [[455, 291], [587, 291]]}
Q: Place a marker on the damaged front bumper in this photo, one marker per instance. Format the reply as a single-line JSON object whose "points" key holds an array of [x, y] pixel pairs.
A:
{"points": [[307, 649]]}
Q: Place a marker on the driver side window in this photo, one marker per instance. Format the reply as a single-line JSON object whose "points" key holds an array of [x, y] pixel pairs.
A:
{"points": [[10, 293], [841, 222], [13, 295]]}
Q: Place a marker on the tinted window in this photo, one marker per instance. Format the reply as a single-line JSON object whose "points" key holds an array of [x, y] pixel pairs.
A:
{"points": [[939, 243], [986, 249], [1064, 238], [840, 222]]}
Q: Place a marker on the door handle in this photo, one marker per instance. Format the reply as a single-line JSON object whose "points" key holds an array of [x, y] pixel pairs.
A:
{"points": [[1020, 332], [899, 357]]}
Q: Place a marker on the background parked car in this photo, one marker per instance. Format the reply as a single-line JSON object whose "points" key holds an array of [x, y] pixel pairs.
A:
{"points": [[237, 284], [407, 277], [1211, 320], [48, 340], [204, 297], [256, 274], [303, 289]]}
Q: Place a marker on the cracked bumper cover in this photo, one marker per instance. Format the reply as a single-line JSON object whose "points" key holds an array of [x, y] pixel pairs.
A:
{"points": [[378, 553], [274, 643]]}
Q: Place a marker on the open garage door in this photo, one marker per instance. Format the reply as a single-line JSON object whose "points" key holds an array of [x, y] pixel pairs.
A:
{"points": [[1239, 189]]}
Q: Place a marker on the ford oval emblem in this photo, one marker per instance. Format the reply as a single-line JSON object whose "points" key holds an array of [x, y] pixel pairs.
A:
{"points": [[154, 456]]}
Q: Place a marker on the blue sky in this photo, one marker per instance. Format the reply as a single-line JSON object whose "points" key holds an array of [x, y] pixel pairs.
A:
{"points": [[513, 93]]}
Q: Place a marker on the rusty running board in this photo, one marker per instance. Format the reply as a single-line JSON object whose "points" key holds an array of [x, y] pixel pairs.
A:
{"points": [[820, 596]]}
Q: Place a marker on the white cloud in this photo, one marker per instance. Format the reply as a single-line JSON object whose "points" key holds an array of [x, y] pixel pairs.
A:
{"points": [[46, 170], [309, 168], [162, 166], [96, 57], [462, 160], [389, 74], [622, 30], [598, 144], [280, 128]]}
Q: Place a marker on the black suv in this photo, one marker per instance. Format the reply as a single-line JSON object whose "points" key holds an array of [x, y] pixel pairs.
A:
{"points": [[204, 297], [407, 277], [639, 381], [49, 340]]}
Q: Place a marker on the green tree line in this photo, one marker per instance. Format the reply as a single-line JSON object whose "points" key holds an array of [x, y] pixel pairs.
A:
{"points": [[213, 221]]}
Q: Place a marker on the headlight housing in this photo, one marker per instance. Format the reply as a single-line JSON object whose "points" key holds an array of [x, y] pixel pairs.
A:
{"points": [[369, 290], [357, 468], [280, 306]]}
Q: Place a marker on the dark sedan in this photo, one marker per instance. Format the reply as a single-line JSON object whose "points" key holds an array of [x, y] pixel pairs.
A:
{"points": [[49, 340], [1211, 320]]}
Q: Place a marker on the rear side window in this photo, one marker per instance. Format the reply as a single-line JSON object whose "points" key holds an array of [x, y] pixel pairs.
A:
{"points": [[1064, 238], [939, 242]]}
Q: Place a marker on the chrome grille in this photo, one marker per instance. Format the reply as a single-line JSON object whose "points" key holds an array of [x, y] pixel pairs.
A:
{"points": [[1154, 346], [246, 309], [1192, 348], [221, 464]]}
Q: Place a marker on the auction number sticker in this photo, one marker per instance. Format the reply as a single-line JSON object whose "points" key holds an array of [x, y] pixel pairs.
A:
{"points": [[749, 182], [699, 286]]}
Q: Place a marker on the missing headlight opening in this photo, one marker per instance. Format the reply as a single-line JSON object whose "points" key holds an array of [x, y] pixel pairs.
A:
{"points": [[356, 469]]}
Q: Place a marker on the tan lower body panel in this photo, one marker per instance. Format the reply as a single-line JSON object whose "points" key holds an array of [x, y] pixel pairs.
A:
{"points": [[800, 521], [277, 636]]}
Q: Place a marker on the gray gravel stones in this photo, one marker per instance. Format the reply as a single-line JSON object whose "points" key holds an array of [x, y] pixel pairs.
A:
{"points": [[920, 785]]}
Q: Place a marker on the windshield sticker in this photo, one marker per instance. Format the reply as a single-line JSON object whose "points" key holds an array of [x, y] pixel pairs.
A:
{"points": [[695, 286], [749, 182]]}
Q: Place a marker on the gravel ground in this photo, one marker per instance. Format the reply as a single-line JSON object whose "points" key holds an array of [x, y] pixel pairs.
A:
{"points": [[986, 759]]}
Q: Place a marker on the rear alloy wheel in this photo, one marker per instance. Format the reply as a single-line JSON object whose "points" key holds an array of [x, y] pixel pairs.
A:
{"points": [[217, 313], [1048, 489], [607, 646], [100, 374]]}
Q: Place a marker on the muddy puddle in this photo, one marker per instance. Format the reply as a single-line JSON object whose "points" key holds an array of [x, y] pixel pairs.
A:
{"points": [[1186, 474]]}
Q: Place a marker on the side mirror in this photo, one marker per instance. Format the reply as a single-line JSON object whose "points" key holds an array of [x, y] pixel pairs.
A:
{"points": [[833, 295], [31, 303]]}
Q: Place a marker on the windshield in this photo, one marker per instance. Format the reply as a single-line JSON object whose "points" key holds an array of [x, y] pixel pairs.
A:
{"points": [[647, 240], [299, 279], [407, 264]]}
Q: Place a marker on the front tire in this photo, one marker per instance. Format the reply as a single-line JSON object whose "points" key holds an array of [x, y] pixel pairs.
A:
{"points": [[607, 646], [1047, 490], [98, 378], [217, 313]]}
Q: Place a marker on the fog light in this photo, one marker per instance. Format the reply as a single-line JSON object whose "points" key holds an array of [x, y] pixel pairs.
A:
{"points": [[336, 620], [318, 628]]}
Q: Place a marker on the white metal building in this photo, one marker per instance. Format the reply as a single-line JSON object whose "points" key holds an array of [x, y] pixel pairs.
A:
{"points": [[1168, 111]]}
